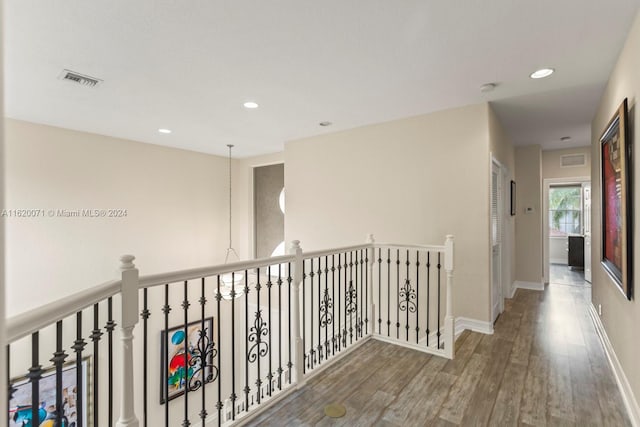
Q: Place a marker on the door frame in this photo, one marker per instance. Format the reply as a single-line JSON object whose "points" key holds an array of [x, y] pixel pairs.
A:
{"points": [[547, 183], [505, 249]]}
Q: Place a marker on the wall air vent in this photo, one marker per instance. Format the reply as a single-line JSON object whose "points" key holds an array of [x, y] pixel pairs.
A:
{"points": [[81, 79], [573, 160]]}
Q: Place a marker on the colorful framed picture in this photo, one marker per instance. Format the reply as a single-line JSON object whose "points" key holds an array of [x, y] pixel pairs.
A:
{"points": [[615, 163], [186, 358], [20, 413]]}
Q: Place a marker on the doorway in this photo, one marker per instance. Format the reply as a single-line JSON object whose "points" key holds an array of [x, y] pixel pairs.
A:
{"points": [[501, 238], [567, 236], [268, 210]]}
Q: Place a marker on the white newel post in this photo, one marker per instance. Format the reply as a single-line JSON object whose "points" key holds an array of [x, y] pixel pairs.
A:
{"points": [[298, 351], [129, 319], [370, 305], [449, 320]]}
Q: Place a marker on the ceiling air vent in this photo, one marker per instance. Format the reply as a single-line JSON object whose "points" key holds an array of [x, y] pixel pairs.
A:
{"points": [[81, 79], [572, 160]]}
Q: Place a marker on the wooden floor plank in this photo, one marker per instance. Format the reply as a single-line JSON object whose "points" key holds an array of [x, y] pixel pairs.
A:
{"points": [[544, 365]]}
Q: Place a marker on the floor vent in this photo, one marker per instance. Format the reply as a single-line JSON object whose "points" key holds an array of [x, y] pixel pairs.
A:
{"points": [[572, 160], [81, 79]]}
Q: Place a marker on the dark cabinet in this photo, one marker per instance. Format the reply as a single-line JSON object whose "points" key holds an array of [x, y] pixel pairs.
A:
{"points": [[576, 251]]}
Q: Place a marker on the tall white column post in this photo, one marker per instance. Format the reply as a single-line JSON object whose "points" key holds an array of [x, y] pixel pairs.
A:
{"points": [[130, 318], [298, 350], [449, 319]]}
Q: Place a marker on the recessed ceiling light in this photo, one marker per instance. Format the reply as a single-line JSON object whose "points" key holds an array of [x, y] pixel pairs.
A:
{"points": [[250, 104], [164, 130], [542, 73], [325, 123], [565, 138]]}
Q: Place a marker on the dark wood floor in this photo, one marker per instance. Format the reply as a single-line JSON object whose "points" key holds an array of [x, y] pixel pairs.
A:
{"points": [[543, 366]]}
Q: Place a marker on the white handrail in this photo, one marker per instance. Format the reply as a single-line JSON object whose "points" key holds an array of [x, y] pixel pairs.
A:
{"points": [[198, 273], [326, 252], [31, 321], [438, 248]]}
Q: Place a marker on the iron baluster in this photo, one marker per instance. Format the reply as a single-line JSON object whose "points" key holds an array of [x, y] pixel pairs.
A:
{"points": [[219, 403], [417, 296], [319, 302], [58, 360], [96, 334], [269, 284], [35, 373], [379, 291], [166, 308], [78, 346], [398, 293], [439, 271], [203, 333], [333, 312], [280, 327], [388, 292], [428, 294], [339, 299], [304, 319], [247, 389], [109, 327], [145, 313], [289, 280], [312, 352], [187, 351]]}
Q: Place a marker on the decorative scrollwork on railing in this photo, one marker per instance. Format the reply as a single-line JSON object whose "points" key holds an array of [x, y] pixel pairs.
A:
{"points": [[259, 329], [351, 302], [202, 361], [407, 296], [326, 318]]}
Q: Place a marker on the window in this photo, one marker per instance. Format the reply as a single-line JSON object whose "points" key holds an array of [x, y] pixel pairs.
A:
{"points": [[565, 210]]}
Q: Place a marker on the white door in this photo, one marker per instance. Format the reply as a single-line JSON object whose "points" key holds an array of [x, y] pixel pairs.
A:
{"points": [[496, 236], [586, 225]]}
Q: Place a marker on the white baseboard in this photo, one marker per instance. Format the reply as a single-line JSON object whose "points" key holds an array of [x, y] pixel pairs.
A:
{"points": [[512, 290], [561, 261], [464, 323], [628, 397], [532, 286]]}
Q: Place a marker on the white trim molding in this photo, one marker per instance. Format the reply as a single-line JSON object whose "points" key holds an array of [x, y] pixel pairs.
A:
{"points": [[474, 325], [628, 397], [532, 286]]}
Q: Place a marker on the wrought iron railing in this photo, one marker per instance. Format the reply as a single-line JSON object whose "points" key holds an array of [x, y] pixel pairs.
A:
{"points": [[216, 345]]}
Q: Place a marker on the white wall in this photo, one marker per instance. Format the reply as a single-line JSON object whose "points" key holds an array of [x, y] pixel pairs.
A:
{"points": [[619, 316], [176, 204], [412, 180]]}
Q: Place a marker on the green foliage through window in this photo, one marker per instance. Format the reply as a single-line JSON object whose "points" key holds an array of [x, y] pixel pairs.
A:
{"points": [[565, 210]]}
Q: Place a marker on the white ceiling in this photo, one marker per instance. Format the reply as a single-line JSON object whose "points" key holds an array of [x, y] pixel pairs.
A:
{"points": [[189, 66]]}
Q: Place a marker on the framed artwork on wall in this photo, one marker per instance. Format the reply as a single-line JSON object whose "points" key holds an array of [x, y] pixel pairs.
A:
{"points": [[615, 164], [20, 413], [186, 358], [513, 198]]}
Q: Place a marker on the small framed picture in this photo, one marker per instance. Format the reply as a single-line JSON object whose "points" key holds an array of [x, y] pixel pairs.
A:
{"points": [[186, 357], [20, 411], [513, 198]]}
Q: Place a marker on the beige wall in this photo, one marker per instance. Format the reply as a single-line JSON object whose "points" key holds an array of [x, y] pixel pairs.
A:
{"points": [[176, 204], [551, 164], [412, 180], [619, 316], [502, 149], [3, 374], [528, 161]]}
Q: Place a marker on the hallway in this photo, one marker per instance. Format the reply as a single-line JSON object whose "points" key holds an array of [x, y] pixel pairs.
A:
{"points": [[544, 365]]}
